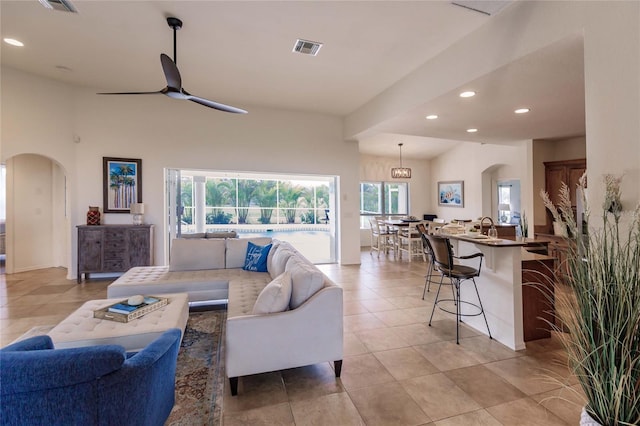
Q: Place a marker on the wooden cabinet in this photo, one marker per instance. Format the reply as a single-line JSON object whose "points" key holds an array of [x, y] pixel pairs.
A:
{"points": [[557, 172], [538, 296], [113, 248]]}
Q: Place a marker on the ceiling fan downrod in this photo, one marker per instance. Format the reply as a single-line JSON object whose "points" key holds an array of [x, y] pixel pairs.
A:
{"points": [[176, 24]]}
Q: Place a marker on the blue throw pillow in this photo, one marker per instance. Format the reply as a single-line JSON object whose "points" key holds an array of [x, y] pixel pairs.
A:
{"points": [[256, 259]]}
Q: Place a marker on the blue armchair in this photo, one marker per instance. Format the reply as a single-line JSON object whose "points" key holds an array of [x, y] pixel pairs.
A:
{"points": [[96, 385]]}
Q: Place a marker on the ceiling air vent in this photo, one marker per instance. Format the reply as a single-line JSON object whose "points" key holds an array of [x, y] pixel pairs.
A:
{"points": [[61, 5], [307, 47]]}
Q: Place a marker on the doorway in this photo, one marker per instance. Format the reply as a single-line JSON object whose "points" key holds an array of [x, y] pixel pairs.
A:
{"points": [[509, 205], [37, 219]]}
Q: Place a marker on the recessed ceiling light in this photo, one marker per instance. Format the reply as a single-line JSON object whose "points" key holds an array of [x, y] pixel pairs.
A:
{"points": [[431, 117], [467, 94], [522, 110], [14, 42], [472, 130]]}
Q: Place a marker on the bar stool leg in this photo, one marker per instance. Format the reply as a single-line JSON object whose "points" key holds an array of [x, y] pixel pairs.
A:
{"points": [[435, 302], [458, 316], [482, 308]]}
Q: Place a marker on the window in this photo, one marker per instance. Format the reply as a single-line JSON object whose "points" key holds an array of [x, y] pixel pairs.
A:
{"points": [[299, 209], [382, 199], [504, 201]]}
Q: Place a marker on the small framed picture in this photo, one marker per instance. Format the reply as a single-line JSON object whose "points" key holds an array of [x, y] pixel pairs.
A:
{"points": [[122, 183], [451, 193]]}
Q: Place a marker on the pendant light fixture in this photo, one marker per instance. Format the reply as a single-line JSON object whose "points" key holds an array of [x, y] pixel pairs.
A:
{"points": [[401, 172]]}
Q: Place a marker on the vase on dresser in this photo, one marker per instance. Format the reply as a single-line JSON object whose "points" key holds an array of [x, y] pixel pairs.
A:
{"points": [[93, 216]]}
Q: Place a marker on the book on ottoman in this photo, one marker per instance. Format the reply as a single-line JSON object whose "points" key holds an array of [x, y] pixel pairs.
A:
{"points": [[124, 312]]}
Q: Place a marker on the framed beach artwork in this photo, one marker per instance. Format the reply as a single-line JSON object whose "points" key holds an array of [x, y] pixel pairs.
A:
{"points": [[121, 183], [451, 193]]}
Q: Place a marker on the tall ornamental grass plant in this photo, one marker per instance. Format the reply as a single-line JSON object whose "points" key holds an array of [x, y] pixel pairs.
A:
{"points": [[602, 315]]}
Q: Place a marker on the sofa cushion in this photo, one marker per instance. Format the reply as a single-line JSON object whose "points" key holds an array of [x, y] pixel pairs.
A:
{"points": [[275, 296], [196, 235], [279, 260], [275, 244], [306, 280], [244, 291], [237, 250], [227, 234], [256, 259], [196, 254]]}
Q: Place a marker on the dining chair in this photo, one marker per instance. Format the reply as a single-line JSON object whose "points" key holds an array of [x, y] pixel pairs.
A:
{"points": [[410, 242], [381, 238], [457, 273]]}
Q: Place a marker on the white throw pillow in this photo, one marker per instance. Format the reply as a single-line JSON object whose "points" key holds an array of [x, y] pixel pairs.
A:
{"points": [[306, 280], [196, 254], [274, 247], [275, 296], [237, 250], [279, 261]]}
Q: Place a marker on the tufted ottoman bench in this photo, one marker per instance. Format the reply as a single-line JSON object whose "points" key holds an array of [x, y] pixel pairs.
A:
{"points": [[82, 329]]}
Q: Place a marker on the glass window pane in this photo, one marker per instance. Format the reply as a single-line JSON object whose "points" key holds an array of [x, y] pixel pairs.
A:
{"points": [[370, 198], [396, 197]]}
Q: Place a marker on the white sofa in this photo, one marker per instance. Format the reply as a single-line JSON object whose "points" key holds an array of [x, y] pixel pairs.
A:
{"points": [[297, 320]]}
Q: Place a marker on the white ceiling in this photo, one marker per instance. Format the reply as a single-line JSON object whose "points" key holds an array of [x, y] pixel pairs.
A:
{"points": [[239, 53]]}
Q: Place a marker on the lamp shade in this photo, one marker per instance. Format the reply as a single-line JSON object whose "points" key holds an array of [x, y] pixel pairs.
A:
{"points": [[504, 207], [136, 208]]}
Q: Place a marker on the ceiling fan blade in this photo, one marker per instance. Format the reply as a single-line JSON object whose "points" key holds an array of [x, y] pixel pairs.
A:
{"points": [[131, 93], [214, 105], [171, 72]]}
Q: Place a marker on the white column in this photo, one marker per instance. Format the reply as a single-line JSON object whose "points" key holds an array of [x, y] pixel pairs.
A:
{"points": [[199, 201]]}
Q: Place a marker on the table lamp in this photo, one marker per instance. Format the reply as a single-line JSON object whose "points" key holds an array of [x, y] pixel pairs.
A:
{"points": [[137, 210]]}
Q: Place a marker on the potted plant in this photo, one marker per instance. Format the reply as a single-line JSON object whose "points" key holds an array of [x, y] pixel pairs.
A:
{"points": [[602, 319]]}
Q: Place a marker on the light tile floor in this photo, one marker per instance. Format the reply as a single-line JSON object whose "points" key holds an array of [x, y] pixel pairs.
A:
{"points": [[397, 370]]}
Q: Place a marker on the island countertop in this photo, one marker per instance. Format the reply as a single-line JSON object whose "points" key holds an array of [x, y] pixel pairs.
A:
{"points": [[497, 242]]}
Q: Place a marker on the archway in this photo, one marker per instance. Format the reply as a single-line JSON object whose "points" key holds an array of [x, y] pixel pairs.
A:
{"points": [[37, 219]]}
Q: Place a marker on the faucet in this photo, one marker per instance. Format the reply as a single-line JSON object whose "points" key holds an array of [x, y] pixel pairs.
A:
{"points": [[482, 222]]}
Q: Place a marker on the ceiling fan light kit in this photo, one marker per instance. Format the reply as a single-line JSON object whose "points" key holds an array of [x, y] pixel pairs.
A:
{"points": [[174, 87]]}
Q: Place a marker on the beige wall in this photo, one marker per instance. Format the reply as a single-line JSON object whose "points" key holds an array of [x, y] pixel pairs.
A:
{"points": [[77, 128], [481, 166], [611, 33]]}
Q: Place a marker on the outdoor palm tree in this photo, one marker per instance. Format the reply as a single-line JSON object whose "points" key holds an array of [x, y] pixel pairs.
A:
{"points": [[219, 192], [290, 199], [265, 196], [245, 194]]}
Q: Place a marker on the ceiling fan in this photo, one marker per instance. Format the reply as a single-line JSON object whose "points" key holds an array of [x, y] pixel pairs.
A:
{"points": [[174, 87]]}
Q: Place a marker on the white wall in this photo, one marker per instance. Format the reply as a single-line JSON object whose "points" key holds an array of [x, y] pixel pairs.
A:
{"points": [[612, 76], [486, 165], [77, 128]]}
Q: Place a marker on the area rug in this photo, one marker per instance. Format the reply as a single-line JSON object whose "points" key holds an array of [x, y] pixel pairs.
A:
{"points": [[200, 371]]}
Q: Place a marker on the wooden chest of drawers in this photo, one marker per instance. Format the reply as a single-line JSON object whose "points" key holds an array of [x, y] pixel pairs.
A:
{"points": [[113, 248]]}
